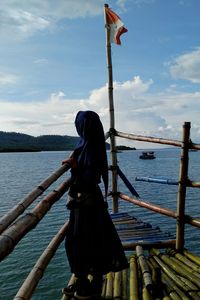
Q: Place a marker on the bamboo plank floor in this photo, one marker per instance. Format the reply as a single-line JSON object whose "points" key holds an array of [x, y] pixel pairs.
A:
{"points": [[153, 273], [133, 232]]}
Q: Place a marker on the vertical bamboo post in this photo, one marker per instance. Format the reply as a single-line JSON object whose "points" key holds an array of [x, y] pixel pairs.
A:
{"points": [[109, 286], [117, 291], [112, 117], [124, 284], [183, 177], [134, 294]]}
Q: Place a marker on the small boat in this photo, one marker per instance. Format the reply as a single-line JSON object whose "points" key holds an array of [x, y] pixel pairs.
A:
{"points": [[147, 155]]}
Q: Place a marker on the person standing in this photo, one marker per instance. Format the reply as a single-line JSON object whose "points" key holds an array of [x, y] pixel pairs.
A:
{"points": [[92, 243]]}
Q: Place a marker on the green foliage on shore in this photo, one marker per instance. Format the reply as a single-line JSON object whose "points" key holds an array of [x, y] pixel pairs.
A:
{"points": [[19, 142], [122, 147]]}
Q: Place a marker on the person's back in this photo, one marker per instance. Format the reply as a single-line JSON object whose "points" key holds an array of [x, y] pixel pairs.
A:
{"points": [[92, 244]]}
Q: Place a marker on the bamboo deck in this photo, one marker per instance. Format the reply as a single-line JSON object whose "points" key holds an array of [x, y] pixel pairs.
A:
{"points": [[133, 232], [153, 273]]}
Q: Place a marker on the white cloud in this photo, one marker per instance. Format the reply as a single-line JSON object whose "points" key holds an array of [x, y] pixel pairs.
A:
{"points": [[28, 22], [23, 18], [6, 79], [121, 4], [18, 23], [137, 111], [143, 2], [38, 118], [187, 66], [40, 61]]}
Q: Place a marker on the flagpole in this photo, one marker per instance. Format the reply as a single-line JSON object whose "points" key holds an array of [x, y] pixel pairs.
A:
{"points": [[112, 116]]}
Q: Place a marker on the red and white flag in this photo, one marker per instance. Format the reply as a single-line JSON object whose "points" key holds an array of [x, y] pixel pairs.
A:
{"points": [[116, 26]]}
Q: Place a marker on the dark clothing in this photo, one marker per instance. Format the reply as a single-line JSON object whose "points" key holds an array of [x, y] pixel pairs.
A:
{"points": [[92, 243], [90, 153]]}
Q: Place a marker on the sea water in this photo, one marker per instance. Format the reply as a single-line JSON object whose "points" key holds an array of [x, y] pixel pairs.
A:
{"points": [[20, 173]]}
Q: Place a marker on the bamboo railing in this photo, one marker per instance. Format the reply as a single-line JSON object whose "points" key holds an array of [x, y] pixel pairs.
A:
{"points": [[149, 139], [31, 282], [12, 235], [17, 210], [161, 210], [183, 182], [13, 227]]}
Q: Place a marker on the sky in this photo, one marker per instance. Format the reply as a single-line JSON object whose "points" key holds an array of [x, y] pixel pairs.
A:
{"points": [[53, 64]]}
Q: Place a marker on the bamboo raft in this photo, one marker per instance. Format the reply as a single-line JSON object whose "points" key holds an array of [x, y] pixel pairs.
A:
{"points": [[152, 274]]}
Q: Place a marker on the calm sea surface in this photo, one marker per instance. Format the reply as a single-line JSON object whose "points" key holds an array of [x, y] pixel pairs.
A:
{"points": [[21, 172]]}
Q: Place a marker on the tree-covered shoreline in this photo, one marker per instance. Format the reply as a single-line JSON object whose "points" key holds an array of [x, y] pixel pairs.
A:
{"points": [[19, 142]]}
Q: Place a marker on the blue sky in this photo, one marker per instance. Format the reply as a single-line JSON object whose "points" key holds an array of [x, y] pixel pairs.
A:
{"points": [[53, 63]]}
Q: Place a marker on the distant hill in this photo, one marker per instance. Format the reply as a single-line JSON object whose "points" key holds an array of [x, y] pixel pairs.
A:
{"points": [[122, 147], [12, 141], [20, 142]]}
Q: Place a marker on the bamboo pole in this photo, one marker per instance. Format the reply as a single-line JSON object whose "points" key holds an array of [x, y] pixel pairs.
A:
{"points": [[174, 291], [127, 182], [109, 286], [162, 282], [185, 289], [193, 288], [184, 259], [193, 184], [71, 281], [164, 211], [134, 292], [192, 221], [192, 257], [159, 290], [124, 284], [167, 282], [144, 268], [31, 282], [173, 283], [167, 181], [183, 177], [184, 269], [146, 295], [194, 146], [155, 208], [112, 117], [103, 294], [12, 235], [117, 291], [139, 232], [151, 139], [171, 266], [17, 210], [157, 180], [148, 245], [148, 139]]}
